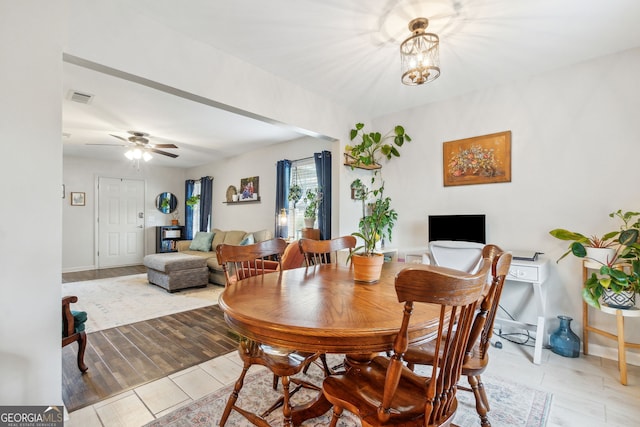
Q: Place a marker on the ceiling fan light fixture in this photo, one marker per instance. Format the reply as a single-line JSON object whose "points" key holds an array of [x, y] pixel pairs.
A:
{"points": [[146, 156], [420, 55], [129, 154]]}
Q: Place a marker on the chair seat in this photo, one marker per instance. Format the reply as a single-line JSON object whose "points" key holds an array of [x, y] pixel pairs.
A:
{"points": [[79, 320], [408, 404], [423, 355], [283, 362]]}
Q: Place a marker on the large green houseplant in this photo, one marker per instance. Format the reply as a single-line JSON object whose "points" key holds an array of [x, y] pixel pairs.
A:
{"points": [[378, 217], [620, 271]]}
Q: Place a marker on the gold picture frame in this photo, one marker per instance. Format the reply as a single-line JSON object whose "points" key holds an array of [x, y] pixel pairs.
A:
{"points": [[482, 159], [77, 199]]}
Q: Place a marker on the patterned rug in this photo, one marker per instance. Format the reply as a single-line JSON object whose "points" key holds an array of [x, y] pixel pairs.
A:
{"points": [[127, 299], [512, 405]]}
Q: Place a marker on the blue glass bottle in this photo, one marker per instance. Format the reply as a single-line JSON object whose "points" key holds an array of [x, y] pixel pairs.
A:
{"points": [[563, 341]]}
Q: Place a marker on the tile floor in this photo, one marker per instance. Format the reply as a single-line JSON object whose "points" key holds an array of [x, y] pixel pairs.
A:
{"points": [[586, 390]]}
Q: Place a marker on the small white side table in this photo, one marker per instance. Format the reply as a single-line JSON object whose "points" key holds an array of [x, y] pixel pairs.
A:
{"points": [[618, 336], [535, 273]]}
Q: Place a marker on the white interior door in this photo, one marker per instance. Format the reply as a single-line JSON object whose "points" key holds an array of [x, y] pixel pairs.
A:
{"points": [[120, 222]]}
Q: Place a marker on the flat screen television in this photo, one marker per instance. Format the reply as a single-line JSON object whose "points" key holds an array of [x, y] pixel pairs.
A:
{"points": [[467, 228]]}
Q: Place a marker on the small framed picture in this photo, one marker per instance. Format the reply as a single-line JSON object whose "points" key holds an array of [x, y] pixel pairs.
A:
{"points": [[77, 199]]}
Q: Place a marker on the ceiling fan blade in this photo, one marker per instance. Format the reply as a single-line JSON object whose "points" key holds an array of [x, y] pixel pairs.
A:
{"points": [[164, 153], [119, 137], [165, 146]]}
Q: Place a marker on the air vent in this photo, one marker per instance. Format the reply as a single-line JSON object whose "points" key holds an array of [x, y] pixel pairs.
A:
{"points": [[82, 98]]}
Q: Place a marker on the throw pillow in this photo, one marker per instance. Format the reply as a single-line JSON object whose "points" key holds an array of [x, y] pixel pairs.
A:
{"points": [[248, 240], [202, 242]]}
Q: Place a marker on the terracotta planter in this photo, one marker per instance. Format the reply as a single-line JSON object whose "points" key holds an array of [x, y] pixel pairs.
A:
{"points": [[174, 222], [367, 268]]}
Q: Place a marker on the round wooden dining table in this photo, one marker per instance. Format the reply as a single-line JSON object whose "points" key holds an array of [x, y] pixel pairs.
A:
{"points": [[322, 309]]}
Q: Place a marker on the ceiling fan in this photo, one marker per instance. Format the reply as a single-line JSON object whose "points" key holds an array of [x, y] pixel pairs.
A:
{"points": [[139, 140]]}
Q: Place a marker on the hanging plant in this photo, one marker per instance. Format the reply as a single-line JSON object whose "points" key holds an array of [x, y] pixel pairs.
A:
{"points": [[295, 194]]}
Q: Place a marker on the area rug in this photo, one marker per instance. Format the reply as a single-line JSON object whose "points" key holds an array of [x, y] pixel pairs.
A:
{"points": [[127, 299], [512, 405]]}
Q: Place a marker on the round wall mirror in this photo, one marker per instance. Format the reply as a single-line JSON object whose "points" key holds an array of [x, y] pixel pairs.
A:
{"points": [[166, 202]]}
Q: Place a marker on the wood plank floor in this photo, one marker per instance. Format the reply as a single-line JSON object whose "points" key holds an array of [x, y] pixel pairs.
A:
{"points": [[103, 273], [128, 356]]}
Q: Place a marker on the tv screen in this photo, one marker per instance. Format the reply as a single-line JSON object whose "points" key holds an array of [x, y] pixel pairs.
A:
{"points": [[467, 228]]}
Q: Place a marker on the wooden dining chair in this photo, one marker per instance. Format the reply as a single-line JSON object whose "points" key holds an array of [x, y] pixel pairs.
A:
{"points": [[73, 329], [318, 252], [384, 391], [476, 356], [240, 263], [325, 251]]}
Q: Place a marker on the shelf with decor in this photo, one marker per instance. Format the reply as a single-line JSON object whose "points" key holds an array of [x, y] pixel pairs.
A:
{"points": [[166, 237], [352, 162], [241, 202]]}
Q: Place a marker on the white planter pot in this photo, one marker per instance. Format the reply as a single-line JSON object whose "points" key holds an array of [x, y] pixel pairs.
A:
{"points": [[308, 222], [600, 255]]}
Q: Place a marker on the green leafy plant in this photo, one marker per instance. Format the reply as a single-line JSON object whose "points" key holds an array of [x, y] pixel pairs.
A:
{"points": [[373, 145], [312, 199], [378, 218], [193, 200], [580, 241], [295, 194], [621, 272]]}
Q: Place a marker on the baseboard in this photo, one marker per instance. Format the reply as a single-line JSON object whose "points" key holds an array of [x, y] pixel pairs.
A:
{"points": [[76, 269], [633, 358]]}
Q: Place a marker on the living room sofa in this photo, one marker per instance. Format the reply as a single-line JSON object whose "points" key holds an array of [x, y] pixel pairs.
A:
{"points": [[232, 237]]}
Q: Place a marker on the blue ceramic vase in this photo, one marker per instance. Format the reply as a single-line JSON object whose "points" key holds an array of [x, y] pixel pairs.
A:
{"points": [[563, 341]]}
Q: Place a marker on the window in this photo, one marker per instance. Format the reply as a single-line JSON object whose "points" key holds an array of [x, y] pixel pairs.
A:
{"points": [[303, 173], [195, 212]]}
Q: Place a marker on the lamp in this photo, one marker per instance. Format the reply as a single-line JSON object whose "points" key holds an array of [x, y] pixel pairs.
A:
{"points": [[420, 55], [282, 223]]}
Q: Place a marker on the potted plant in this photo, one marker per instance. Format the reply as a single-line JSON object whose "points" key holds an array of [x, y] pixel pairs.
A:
{"points": [[193, 200], [295, 194], [378, 217], [618, 278], [312, 199]]}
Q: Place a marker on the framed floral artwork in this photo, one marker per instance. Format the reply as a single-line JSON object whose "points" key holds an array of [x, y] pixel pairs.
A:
{"points": [[478, 160]]}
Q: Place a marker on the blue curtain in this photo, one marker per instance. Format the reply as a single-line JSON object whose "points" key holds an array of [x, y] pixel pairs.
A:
{"points": [[283, 177], [188, 210], [206, 202], [323, 171]]}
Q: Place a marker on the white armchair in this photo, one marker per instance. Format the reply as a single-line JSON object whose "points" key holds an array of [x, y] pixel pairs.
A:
{"points": [[464, 256]]}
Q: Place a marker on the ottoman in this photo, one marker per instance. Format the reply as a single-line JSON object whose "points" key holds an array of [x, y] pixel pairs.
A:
{"points": [[174, 271]]}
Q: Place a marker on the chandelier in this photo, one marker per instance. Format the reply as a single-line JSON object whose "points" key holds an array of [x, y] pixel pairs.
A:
{"points": [[137, 154], [420, 54]]}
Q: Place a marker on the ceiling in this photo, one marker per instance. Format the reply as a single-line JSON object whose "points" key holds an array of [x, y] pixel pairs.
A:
{"points": [[344, 50]]}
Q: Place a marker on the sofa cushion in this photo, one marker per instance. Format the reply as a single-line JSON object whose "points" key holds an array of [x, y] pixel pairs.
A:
{"points": [[218, 237], [201, 242], [262, 235], [234, 237], [247, 240]]}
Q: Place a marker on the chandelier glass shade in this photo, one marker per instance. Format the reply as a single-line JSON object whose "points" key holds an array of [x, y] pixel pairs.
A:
{"points": [[420, 55], [137, 154]]}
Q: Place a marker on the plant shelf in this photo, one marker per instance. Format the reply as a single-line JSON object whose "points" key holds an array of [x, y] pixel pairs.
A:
{"points": [[351, 161], [243, 203]]}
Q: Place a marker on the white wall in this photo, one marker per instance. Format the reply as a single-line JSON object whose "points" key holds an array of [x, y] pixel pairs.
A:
{"points": [[574, 160], [31, 36], [78, 222], [261, 163]]}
